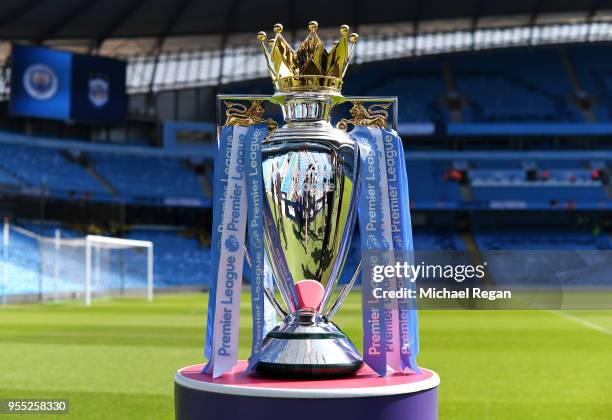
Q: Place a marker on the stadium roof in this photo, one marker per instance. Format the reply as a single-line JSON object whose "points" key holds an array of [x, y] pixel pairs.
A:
{"points": [[188, 43], [98, 20]]}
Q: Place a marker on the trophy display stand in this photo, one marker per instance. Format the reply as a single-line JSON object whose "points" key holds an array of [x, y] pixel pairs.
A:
{"points": [[365, 396]]}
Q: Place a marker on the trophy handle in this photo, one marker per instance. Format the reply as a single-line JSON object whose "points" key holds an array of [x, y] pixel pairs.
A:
{"points": [[270, 295], [342, 295]]}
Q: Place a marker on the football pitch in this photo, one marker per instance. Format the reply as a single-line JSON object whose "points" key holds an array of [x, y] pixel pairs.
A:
{"points": [[117, 359]]}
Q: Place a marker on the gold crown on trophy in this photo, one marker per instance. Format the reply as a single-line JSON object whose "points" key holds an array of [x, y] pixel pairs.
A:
{"points": [[311, 67]]}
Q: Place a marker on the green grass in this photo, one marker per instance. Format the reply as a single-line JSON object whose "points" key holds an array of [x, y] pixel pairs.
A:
{"points": [[117, 358]]}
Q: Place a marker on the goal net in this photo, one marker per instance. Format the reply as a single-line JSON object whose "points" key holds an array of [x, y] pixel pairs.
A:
{"points": [[54, 267]]}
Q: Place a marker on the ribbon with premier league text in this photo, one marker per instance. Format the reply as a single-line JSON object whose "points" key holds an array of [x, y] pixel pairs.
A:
{"points": [[259, 279], [403, 246], [220, 189], [237, 198], [390, 332]]}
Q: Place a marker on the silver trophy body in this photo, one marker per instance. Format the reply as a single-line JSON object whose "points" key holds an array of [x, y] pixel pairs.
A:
{"points": [[310, 176]]}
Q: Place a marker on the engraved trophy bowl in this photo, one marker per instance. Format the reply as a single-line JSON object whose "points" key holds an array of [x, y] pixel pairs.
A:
{"points": [[310, 172]]}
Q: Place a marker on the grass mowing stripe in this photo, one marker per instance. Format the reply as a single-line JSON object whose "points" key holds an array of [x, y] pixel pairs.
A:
{"points": [[583, 322]]}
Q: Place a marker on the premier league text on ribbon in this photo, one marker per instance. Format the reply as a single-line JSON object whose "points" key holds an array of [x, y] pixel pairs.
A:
{"points": [[231, 259], [256, 248]]}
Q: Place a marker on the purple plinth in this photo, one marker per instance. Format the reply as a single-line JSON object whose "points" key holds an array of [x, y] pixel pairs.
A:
{"points": [[365, 396]]}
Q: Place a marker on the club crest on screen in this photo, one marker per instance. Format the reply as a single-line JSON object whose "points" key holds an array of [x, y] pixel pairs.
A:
{"points": [[98, 91], [40, 81]]}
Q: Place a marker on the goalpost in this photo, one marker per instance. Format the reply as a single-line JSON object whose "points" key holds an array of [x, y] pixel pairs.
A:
{"points": [[56, 267], [97, 249]]}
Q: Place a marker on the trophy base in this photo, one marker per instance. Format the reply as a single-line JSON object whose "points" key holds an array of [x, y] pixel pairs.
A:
{"points": [[238, 395], [315, 351]]}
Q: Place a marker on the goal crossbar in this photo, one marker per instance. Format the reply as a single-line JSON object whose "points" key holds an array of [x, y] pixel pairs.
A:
{"points": [[118, 242]]}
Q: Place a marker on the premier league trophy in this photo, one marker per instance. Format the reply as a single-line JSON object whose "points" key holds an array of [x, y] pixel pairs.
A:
{"points": [[310, 172], [286, 200]]}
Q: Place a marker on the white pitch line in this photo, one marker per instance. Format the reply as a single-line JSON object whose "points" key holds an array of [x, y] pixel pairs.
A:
{"points": [[583, 322]]}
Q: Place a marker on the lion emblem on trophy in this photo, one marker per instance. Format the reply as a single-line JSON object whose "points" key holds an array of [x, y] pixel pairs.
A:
{"points": [[240, 114], [375, 115]]}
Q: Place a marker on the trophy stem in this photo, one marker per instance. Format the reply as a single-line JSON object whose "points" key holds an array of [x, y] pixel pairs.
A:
{"points": [[307, 107]]}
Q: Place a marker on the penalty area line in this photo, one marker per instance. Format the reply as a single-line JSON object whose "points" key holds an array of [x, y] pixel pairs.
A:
{"points": [[583, 322]]}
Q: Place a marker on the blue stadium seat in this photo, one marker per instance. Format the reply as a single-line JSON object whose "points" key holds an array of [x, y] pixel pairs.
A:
{"points": [[7, 179], [538, 192], [497, 164], [23, 266], [147, 176], [427, 184], [437, 240], [497, 176], [540, 239], [42, 167], [179, 260], [558, 164], [418, 84], [593, 65], [515, 86]]}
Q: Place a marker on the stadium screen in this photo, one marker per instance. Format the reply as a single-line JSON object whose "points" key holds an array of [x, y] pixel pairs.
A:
{"points": [[52, 84]]}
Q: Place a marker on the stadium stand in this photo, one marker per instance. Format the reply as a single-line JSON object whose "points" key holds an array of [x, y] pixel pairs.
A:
{"points": [[437, 240], [507, 86], [47, 168], [539, 192], [515, 86], [418, 82], [7, 179], [541, 239], [23, 266], [32, 169], [594, 72], [427, 184], [180, 260], [150, 176]]}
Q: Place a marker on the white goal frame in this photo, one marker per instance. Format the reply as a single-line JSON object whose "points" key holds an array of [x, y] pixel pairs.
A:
{"points": [[91, 245], [92, 241]]}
